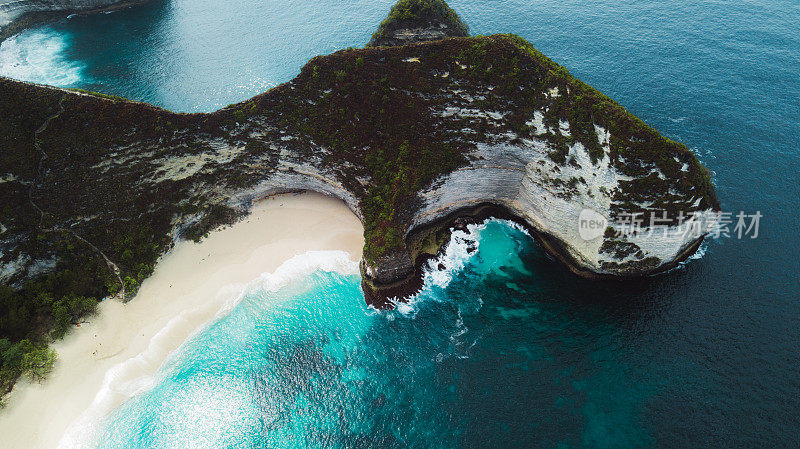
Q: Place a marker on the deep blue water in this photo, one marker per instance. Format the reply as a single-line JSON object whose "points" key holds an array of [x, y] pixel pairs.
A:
{"points": [[514, 351]]}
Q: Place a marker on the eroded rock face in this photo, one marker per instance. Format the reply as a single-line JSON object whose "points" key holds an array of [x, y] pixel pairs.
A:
{"points": [[404, 36], [521, 178]]}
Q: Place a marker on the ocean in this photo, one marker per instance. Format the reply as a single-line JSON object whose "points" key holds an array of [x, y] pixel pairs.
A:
{"points": [[503, 347]]}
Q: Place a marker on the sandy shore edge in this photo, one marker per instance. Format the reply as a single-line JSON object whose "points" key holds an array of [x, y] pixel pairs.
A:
{"points": [[105, 361]]}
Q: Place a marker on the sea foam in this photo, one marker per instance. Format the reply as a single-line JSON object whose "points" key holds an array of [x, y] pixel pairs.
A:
{"points": [[37, 56], [438, 272], [123, 381]]}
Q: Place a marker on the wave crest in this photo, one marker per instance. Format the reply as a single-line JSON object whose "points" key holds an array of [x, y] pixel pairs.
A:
{"points": [[135, 375]]}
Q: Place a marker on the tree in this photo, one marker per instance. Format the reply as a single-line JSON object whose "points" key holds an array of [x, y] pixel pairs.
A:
{"points": [[5, 345], [69, 310], [38, 363]]}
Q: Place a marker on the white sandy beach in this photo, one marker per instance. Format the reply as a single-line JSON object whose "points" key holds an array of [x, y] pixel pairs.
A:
{"points": [[125, 343]]}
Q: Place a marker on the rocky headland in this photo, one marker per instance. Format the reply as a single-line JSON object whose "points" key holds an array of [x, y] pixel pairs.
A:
{"points": [[423, 127]]}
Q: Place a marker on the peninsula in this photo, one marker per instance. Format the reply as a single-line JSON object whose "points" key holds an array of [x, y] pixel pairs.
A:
{"points": [[424, 126]]}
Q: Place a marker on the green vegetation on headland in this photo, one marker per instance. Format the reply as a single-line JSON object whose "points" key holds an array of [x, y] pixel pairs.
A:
{"points": [[374, 110], [101, 95], [61, 214], [95, 188]]}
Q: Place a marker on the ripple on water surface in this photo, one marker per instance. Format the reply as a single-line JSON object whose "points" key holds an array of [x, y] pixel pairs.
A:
{"points": [[475, 358]]}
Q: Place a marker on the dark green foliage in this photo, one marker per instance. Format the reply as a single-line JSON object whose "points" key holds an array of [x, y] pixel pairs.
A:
{"points": [[69, 310], [559, 147], [24, 358], [15, 313], [645, 264], [38, 362], [213, 216], [135, 249], [243, 111], [619, 249]]}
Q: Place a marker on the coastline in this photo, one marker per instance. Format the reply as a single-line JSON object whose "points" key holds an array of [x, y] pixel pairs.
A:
{"points": [[34, 18], [100, 363], [428, 241]]}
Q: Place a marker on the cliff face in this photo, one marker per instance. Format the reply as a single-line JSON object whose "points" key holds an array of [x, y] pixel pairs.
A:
{"points": [[95, 188], [542, 194]]}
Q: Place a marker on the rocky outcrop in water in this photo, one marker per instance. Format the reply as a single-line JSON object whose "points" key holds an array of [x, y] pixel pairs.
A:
{"points": [[412, 21]]}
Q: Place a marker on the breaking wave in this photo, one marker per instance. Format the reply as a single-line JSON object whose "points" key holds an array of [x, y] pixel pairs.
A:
{"points": [[124, 380], [37, 56]]}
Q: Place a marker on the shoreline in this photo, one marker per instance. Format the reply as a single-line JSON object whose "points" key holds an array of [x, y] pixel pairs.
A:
{"points": [[35, 18], [107, 359]]}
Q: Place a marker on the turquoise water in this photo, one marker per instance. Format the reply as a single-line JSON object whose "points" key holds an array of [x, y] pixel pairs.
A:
{"points": [[482, 354], [504, 349], [189, 55]]}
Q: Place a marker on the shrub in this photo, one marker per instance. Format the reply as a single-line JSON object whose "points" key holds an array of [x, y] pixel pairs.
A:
{"points": [[38, 362]]}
